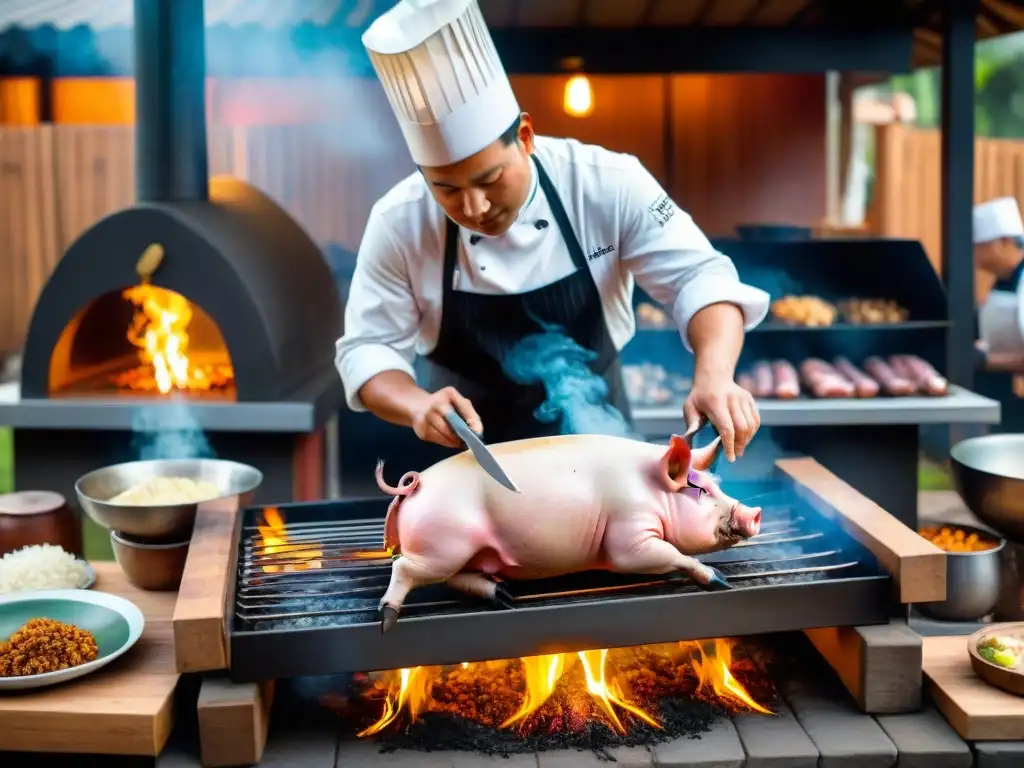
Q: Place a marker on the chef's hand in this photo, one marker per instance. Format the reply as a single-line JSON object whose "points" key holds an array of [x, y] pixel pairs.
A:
{"points": [[729, 407], [429, 423]]}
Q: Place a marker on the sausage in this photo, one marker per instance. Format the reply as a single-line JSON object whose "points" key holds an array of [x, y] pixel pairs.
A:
{"points": [[787, 381], [893, 383], [746, 381], [823, 380], [863, 384], [920, 372], [764, 383]]}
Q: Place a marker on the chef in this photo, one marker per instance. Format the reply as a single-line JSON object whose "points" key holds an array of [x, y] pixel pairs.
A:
{"points": [[501, 233], [998, 231]]}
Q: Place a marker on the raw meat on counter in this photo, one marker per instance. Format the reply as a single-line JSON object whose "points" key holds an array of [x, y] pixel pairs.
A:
{"points": [[649, 384], [587, 502], [899, 376]]}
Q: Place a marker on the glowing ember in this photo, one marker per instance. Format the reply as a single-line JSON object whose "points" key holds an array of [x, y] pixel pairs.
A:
{"points": [[620, 688], [276, 545], [160, 331]]}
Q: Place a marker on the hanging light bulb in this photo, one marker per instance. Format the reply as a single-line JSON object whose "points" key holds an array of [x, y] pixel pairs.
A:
{"points": [[579, 96]]}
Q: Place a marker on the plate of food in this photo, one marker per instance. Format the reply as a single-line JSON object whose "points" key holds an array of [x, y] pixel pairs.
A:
{"points": [[997, 656], [43, 566], [53, 636]]}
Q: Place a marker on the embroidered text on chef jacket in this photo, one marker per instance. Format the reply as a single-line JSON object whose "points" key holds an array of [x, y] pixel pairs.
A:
{"points": [[626, 224]]}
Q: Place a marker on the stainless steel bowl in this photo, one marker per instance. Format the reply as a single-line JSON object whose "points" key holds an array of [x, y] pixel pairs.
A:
{"points": [[989, 476], [162, 521], [972, 580]]}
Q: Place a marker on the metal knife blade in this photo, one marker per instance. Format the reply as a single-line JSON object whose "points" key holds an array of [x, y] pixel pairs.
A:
{"points": [[480, 451]]}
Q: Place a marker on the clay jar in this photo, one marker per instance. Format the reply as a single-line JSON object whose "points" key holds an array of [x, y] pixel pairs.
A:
{"points": [[38, 517]]}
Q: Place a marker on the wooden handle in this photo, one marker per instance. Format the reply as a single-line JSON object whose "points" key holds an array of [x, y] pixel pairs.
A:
{"points": [[202, 613], [917, 565]]}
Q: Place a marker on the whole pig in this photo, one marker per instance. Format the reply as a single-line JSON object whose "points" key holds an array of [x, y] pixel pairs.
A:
{"points": [[587, 502]]}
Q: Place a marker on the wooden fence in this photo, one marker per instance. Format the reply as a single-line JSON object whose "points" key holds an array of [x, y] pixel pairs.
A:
{"points": [[56, 181], [908, 182]]}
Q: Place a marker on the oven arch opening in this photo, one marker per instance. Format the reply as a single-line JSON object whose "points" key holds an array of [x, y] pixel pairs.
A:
{"points": [[142, 340]]}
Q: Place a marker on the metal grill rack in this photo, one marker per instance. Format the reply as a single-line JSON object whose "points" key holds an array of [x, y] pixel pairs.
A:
{"points": [[308, 606]]}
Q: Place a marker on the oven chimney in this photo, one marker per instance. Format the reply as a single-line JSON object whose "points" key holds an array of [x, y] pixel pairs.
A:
{"points": [[171, 162]]}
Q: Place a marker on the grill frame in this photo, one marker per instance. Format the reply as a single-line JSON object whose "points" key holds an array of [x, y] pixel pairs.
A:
{"points": [[479, 633]]}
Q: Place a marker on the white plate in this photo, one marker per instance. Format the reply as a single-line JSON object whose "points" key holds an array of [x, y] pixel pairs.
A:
{"points": [[116, 624]]}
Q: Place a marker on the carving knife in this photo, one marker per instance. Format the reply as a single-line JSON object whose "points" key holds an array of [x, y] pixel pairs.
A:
{"points": [[480, 451]]}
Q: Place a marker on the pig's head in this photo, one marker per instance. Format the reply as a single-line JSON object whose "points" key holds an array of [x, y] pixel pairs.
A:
{"points": [[701, 518]]}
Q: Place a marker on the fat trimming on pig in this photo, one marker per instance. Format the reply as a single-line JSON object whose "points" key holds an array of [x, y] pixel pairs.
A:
{"points": [[587, 502]]}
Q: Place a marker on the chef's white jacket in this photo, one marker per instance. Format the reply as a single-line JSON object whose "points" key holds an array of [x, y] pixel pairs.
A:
{"points": [[626, 224]]}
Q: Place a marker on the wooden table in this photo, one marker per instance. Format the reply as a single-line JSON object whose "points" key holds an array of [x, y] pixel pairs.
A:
{"points": [[125, 708]]}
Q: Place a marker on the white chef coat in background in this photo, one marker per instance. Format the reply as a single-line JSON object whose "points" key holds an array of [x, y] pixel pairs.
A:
{"points": [[627, 225], [1001, 321]]}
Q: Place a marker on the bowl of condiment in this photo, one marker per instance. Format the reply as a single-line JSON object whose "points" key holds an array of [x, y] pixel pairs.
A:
{"points": [[158, 499], [82, 632], [997, 656], [989, 476], [153, 566], [973, 563]]}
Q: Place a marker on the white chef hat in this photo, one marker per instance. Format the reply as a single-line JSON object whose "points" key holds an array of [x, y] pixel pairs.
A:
{"points": [[443, 77], [997, 218]]}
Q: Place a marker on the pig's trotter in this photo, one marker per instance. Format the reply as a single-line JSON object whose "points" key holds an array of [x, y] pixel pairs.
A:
{"points": [[716, 583], [388, 617], [502, 597]]}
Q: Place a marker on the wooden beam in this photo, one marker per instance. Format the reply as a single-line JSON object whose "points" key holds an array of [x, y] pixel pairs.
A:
{"points": [[917, 565], [234, 720], [879, 665]]}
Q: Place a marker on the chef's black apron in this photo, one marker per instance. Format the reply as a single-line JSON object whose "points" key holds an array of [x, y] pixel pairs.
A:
{"points": [[478, 330]]}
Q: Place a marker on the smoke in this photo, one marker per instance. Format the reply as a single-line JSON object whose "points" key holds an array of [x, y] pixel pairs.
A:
{"points": [[168, 431], [576, 397]]}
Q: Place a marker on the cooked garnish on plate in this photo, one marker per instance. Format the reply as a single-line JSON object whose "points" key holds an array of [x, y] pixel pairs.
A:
{"points": [[1001, 650], [45, 645]]}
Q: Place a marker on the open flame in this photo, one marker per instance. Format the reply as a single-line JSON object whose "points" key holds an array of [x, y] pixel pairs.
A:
{"points": [[159, 330], [278, 552], [576, 686]]}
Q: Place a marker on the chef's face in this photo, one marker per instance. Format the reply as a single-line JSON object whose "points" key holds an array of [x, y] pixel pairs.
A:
{"points": [[485, 191], [998, 257]]}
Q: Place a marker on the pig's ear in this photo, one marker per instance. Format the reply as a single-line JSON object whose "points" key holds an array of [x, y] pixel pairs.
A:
{"points": [[675, 464], [704, 457]]}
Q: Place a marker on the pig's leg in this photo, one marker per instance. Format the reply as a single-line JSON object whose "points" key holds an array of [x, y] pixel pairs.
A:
{"points": [[478, 585], [654, 555], [406, 575]]}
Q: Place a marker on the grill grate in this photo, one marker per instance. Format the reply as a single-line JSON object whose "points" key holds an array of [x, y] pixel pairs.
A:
{"points": [[337, 569]]}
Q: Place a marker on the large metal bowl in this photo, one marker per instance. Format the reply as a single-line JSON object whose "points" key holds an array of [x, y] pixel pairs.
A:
{"points": [[989, 476], [164, 521]]}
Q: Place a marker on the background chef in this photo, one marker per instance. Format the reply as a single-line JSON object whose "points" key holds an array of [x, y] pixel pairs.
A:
{"points": [[501, 230], [998, 231]]}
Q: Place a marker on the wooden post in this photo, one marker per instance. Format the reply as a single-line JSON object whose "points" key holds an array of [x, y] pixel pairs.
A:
{"points": [[233, 722]]}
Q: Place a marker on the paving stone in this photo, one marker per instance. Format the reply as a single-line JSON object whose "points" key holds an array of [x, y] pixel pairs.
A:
{"points": [[291, 747], [925, 740], [719, 748], [367, 754], [775, 742], [625, 757], [999, 754], [843, 736]]}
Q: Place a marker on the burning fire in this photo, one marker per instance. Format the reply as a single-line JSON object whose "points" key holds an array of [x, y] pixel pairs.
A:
{"points": [[160, 331], [289, 555], [566, 690]]}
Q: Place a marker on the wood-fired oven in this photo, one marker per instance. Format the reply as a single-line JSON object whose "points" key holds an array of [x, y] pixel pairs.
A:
{"points": [[203, 309]]}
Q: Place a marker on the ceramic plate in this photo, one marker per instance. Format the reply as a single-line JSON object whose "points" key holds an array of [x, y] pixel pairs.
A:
{"points": [[90, 574], [115, 622], [1010, 680]]}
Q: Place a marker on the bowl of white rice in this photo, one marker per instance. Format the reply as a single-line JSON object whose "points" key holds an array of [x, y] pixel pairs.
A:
{"points": [[158, 499], [43, 566]]}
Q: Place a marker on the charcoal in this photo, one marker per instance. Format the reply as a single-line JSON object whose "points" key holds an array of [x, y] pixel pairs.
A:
{"points": [[436, 731]]}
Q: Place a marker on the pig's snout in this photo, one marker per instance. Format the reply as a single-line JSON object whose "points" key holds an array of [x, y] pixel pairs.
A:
{"points": [[746, 521]]}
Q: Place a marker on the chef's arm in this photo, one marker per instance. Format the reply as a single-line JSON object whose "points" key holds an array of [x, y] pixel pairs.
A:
{"points": [[675, 263], [375, 356]]}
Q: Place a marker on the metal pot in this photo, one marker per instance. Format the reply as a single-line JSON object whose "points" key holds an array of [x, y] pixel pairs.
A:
{"points": [[972, 581]]}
